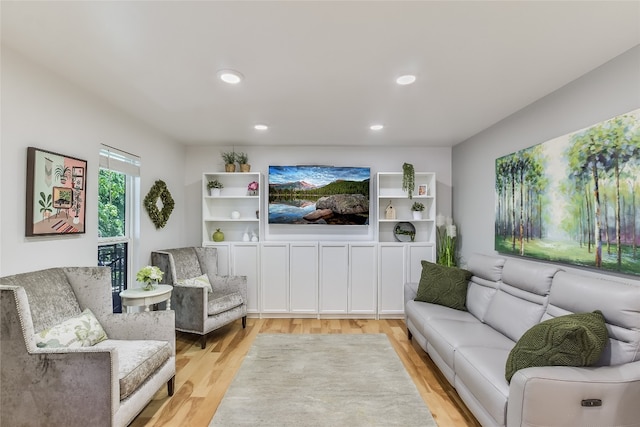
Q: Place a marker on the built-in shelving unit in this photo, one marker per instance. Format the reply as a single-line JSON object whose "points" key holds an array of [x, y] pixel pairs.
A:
{"points": [[319, 278], [389, 191], [218, 211]]}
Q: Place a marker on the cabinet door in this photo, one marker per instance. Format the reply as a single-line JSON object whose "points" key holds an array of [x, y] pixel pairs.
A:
{"points": [[274, 280], [245, 263], [362, 279], [417, 253], [223, 251], [392, 267], [303, 277], [334, 278]]}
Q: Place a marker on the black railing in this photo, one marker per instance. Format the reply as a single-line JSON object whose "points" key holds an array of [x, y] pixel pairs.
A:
{"points": [[115, 256]]}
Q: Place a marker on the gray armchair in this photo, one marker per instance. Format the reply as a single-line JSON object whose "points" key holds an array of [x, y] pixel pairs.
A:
{"points": [[104, 384], [198, 310]]}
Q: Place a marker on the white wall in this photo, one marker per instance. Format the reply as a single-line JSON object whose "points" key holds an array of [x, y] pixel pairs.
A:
{"points": [[379, 159], [42, 110], [609, 90]]}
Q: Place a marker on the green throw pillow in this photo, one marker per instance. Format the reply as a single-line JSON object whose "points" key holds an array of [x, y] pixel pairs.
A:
{"points": [[443, 285], [571, 340]]}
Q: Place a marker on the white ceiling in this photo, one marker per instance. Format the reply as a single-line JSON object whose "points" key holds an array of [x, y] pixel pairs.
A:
{"points": [[319, 73]]}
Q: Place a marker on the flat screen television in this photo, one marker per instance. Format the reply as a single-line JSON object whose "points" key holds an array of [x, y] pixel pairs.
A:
{"points": [[333, 195]]}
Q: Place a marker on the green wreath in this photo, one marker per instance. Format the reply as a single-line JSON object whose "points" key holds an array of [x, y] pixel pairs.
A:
{"points": [[159, 191]]}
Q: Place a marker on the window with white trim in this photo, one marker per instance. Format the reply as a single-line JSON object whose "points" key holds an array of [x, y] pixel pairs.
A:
{"points": [[118, 216]]}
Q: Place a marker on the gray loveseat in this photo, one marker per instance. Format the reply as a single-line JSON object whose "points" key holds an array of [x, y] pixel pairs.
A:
{"points": [[104, 384], [506, 297]]}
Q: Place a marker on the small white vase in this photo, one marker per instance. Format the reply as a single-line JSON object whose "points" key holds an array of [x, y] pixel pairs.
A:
{"points": [[417, 215], [235, 215], [214, 192]]}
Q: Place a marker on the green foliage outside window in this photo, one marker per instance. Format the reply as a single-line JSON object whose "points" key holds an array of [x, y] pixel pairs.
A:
{"points": [[111, 204]]}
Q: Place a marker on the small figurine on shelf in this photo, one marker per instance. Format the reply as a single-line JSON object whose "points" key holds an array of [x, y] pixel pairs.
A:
{"points": [[390, 212], [252, 188]]}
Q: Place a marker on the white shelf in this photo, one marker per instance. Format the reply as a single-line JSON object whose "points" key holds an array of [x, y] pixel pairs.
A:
{"points": [[216, 210], [389, 190]]}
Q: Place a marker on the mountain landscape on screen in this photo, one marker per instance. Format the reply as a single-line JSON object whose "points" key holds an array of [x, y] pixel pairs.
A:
{"points": [[334, 195]]}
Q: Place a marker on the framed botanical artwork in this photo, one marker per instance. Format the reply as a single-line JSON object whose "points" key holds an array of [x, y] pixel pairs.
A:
{"points": [[56, 189]]}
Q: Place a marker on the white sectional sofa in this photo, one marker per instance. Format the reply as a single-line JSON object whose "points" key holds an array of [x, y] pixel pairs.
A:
{"points": [[506, 297]]}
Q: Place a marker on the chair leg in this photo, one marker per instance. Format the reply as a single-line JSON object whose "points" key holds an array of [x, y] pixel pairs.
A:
{"points": [[170, 385], [409, 334], [203, 342], [244, 322]]}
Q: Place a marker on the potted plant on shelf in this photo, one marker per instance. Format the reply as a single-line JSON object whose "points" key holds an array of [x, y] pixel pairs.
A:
{"points": [[214, 187], [243, 160], [229, 158], [408, 179], [417, 209]]}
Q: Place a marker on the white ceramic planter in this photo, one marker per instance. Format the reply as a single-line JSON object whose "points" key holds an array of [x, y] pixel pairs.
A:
{"points": [[417, 214], [214, 192]]}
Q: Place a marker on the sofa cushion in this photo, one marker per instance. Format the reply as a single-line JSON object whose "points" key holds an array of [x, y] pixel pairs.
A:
{"points": [[521, 299], [481, 371], [79, 331], [447, 335], [220, 302], [619, 303], [137, 361], [571, 340], [443, 285], [186, 263], [51, 298], [196, 282]]}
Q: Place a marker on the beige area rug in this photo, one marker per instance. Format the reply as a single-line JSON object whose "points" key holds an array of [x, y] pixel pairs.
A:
{"points": [[322, 380]]}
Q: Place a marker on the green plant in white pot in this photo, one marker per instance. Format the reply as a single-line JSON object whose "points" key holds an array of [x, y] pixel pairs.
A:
{"points": [[214, 187], [417, 210]]}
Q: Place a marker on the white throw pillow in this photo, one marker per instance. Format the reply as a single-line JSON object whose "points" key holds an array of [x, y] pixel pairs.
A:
{"points": [[199, 282], [80, 331]]}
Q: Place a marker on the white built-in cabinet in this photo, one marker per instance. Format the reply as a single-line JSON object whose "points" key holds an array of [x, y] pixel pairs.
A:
{"points": [[322, 278], [289, 278], [397, 264], [245, 261]]}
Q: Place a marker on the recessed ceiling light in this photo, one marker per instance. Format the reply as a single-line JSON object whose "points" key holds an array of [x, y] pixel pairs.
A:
{"points": [[376, 127], [230, 76], [406, 79], [261, 127]]}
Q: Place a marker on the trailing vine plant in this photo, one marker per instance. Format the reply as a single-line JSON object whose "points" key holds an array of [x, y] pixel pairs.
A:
{"points": [[159, 191], [408, 179]]}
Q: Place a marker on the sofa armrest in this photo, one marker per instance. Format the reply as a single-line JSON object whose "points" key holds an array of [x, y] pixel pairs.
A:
{"points": [[148, 325], [46, 386], [410, 291], [190, 306], [555, 395]]}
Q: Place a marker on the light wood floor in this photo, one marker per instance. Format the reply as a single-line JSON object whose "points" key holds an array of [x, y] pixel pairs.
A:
{"points": [[204, 375]]}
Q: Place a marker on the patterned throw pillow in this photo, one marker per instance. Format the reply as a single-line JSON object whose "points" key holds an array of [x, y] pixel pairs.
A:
{"points": [[571, 340], [80, 331], [199, 282], [443, 285]]}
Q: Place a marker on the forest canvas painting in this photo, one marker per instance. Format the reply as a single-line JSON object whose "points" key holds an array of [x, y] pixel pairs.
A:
{"points": [[574, 199]]}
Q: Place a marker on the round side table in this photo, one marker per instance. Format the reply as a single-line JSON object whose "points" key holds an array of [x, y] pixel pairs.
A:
{"points": [[138, 297]]}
